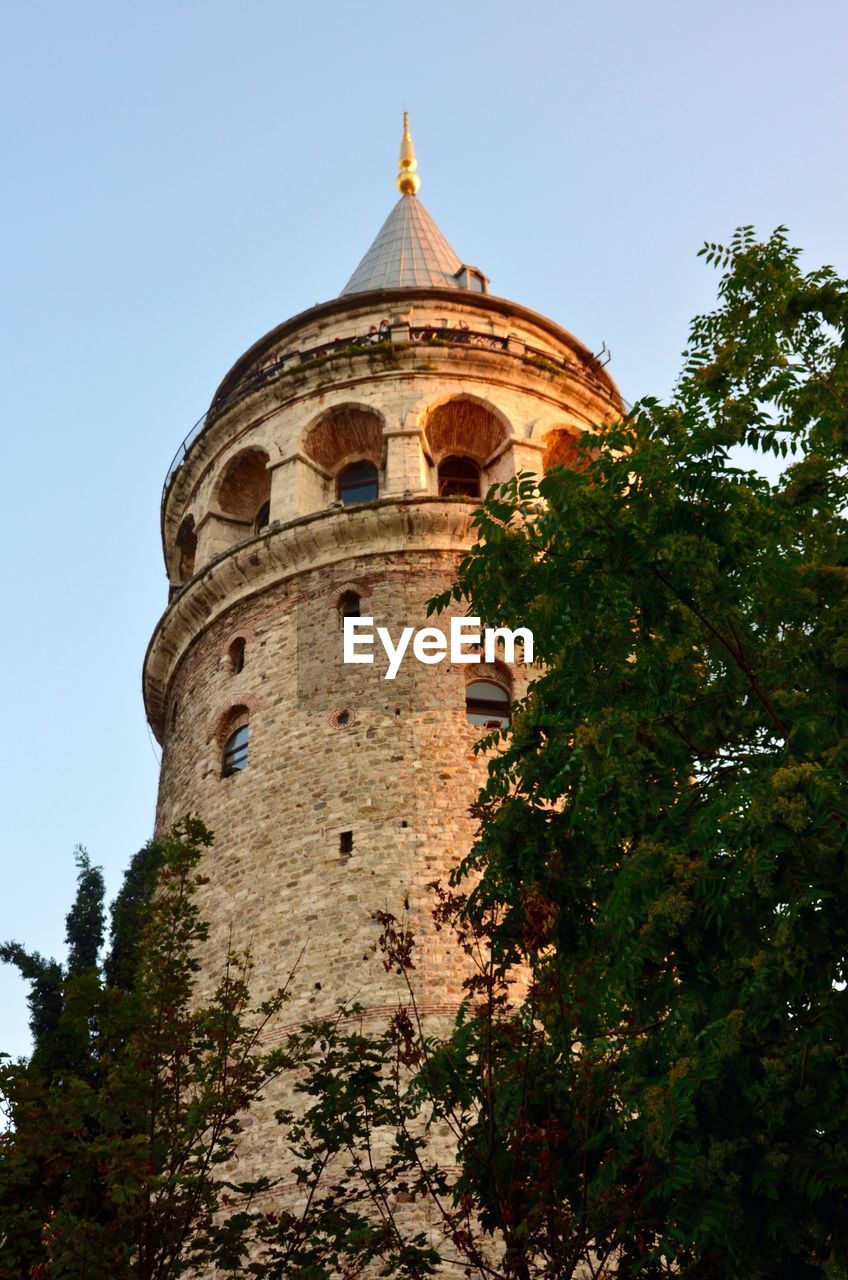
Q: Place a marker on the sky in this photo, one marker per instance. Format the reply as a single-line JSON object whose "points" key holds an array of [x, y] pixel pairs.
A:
{"points": [[180, 177]]}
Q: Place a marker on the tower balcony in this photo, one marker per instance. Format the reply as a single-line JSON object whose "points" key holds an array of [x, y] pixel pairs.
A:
{"points": [[401, 380]]}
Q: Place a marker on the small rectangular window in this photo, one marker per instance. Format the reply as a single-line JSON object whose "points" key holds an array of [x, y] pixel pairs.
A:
{"points": [[345, 844]]}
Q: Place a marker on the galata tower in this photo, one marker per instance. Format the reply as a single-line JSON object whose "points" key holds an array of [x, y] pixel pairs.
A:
{"points": [[335, 474]]}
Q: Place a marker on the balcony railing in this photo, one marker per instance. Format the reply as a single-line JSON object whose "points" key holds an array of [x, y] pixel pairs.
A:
{"points": [[382, 338]]}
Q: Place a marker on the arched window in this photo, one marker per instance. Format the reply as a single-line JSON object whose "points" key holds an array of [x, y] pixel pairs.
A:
{"points": [[263, 517], [187, 546], [235, 751], [350, 606], [345, 431], [459, 477], [236, 655], [358, 483], [487, 703]]}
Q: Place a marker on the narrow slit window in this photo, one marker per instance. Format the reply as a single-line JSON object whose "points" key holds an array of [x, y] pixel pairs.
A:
{"points": [[236, 653], [345, 843], [350, 605]]}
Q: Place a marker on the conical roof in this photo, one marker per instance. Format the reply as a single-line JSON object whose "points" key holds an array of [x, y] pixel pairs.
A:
{"points": [[409, 251]]}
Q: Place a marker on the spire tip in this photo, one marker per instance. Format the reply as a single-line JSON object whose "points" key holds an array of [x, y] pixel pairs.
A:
{"points": [[408, 181]]}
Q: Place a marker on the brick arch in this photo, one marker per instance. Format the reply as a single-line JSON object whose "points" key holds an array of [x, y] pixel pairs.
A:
{"points": [[360, 589], [245, 484], [497, 672], [246, 629], [345, 433], [465, 426], [228, 718]]}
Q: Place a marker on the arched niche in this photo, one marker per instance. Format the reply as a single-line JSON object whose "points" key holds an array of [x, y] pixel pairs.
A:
{"points": [[245, 486], [561, 449], [464, 427], [186, 551], [346, 433]]}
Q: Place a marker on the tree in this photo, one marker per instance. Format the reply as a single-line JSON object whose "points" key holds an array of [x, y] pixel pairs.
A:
{"points": [[123, 1122], [60, 1049], [663, 835], [119, 1158], [649, 1076]]}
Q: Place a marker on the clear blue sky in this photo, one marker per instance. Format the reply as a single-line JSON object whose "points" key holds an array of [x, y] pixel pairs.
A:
{"points": [[180, 177]]}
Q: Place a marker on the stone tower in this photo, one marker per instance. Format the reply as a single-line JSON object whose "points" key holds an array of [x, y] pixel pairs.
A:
{"points": [[335, 473]]}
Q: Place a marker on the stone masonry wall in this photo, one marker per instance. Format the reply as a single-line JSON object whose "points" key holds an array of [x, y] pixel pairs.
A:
{"points": [[338, 751], [399, 774]]}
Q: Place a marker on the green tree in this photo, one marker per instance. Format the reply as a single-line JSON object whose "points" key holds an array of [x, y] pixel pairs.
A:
{"points": [[61, 1049], [662, 846], [119, 1157], [649, 1076], [123, 1122]]}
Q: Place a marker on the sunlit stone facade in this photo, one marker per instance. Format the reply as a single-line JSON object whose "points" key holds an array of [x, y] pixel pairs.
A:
{"points": [[356, 789]]}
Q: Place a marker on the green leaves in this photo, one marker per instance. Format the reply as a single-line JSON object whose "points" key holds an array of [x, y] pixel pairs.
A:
{"points": [[124, 1121], [673, 791]]}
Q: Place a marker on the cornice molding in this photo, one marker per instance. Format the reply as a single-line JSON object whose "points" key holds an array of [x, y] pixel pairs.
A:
{"points": [[282, 553]]}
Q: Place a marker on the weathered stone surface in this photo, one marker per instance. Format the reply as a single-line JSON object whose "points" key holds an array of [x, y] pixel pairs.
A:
{"points": [[356, 792]]}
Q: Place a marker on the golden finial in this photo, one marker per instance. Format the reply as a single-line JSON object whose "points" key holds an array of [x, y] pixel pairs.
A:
{"points": [[408, 180]]}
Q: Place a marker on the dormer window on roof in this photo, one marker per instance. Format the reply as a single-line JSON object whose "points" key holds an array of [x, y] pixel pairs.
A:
{"points": [[471, 278]]}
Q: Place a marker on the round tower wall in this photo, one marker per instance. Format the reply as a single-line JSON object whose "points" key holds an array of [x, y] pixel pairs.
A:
{"points": [[333, 749], [356, 792]]}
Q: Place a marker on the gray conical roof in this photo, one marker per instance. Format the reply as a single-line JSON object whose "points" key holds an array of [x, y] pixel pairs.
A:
{"points": [[410, 251]]}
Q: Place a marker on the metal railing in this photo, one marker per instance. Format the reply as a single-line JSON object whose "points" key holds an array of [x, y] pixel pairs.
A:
{"points": [[383, 337], [460, 335]]}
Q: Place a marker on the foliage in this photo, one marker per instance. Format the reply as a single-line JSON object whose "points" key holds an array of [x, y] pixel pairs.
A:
{"points": [[124, 1120], [649, 1076], [662, 848], [119, 1159]]}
